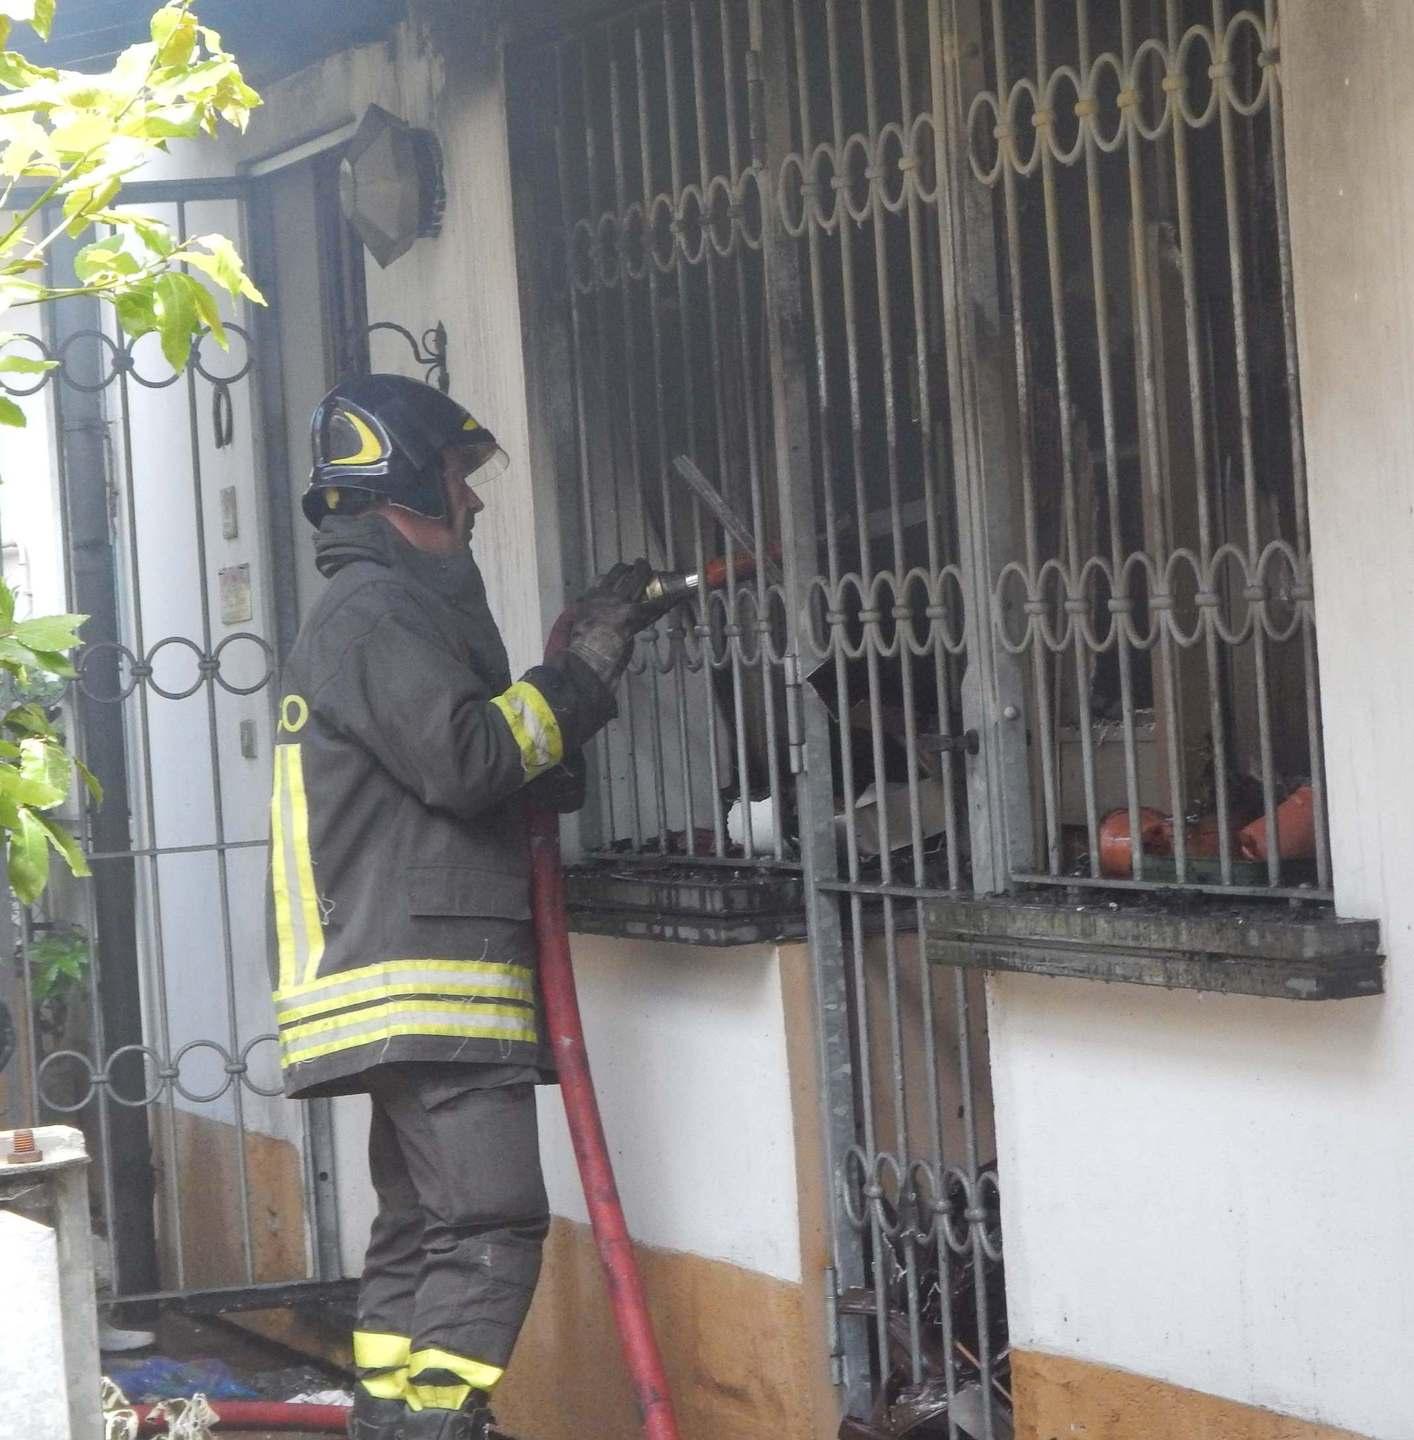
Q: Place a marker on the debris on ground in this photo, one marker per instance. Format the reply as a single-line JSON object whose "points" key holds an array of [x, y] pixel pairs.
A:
{"points": [[159, 1377]]}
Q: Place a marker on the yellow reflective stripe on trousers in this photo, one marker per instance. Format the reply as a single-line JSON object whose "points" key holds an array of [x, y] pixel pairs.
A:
{"points": [[384, 1358], [533, 727], [472, 1375], [279, 873], [304, 861]]}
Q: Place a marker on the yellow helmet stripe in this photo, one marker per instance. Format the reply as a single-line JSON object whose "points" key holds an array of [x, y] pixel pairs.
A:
{"points": [[370, 448]]}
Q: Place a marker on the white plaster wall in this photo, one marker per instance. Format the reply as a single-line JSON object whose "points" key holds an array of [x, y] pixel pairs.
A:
{"points": [[1217, 1191], [688, 1048]]}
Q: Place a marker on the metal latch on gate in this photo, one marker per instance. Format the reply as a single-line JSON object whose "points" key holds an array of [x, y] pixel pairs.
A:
{"points": [[795, 734], [968, 743], [832, 1325]]}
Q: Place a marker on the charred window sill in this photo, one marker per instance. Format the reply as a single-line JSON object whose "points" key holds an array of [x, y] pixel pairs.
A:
{"points": [[684, 903], [1237, 948]]}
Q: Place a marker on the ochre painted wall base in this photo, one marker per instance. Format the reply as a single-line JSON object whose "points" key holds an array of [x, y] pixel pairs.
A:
{"points": [[733, 1342], [1062, 1399]]}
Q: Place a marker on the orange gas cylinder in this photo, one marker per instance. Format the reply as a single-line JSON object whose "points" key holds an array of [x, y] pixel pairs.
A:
{"points": [[1296, 829], [1116, 848]]}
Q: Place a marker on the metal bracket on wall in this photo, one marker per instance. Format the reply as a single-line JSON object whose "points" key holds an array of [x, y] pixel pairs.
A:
{"points": [[430, 351]]}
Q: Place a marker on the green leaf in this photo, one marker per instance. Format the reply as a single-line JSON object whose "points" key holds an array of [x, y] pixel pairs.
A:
{"points": [[29, 720], [176, 317], [153, 233], [25, 365], [88, 130], [174, 32], [18, 74], [210, 313], [103, 262], [7, 606], [91, 782], [11, 414], [28, 859], [45, 773], [50, 632], [68, 847], [135, 312], [55, 663], [224, 266]]}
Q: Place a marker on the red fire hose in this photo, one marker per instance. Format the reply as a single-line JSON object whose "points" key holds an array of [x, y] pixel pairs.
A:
{"points": [[260, 1415], [596, 1171]]}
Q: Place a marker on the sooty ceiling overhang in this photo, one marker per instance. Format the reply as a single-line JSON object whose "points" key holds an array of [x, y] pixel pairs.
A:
{"points": [[270, 38]]}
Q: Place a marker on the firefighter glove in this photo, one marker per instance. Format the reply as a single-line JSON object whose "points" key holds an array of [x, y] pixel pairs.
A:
{"points": [[608, 617]]}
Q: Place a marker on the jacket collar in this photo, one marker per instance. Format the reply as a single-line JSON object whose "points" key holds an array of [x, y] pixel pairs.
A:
{"points": [[345, 539]]}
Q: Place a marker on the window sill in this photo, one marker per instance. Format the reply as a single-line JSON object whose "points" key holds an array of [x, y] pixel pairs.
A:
{"points": [[685, 904], [1234, 948]]}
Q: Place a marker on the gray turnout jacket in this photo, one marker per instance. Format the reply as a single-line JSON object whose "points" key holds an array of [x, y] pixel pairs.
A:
{"points": [[399, 859]]}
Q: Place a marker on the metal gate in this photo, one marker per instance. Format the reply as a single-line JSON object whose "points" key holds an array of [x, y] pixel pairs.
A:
{"points": [[144, 991], [974, 319]]}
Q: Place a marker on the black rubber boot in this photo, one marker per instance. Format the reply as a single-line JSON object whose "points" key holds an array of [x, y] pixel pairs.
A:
{"points": [[375, 1419], [471, 1422]]}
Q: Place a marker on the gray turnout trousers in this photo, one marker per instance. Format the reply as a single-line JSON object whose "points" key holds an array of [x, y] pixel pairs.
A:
{"points": [[454, 1252]]}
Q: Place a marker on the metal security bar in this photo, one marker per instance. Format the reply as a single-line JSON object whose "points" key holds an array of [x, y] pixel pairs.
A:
{"points": [[1158, 596], [662, 216], [885, 646]]}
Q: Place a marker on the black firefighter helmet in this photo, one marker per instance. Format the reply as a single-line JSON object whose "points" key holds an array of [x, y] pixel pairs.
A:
{"points": [[379, 437]]}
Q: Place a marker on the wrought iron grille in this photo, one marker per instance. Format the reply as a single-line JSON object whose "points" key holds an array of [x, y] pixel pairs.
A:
{"points": [[662, 214], [977, 315], [1158, 594]]}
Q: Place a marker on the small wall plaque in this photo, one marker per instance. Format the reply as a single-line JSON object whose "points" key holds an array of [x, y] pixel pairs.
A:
{"points": [[230, 514], [235, 595]]}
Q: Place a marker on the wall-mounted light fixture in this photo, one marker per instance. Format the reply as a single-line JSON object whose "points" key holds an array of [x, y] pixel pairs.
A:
{"points": [[390, 184]]}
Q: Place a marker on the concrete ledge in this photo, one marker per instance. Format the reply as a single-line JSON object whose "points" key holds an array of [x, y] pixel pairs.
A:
{"points": [[1236, 948], [685, 903]]}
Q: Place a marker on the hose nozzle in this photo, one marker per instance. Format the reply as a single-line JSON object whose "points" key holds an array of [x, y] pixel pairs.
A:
{"points": [[670, 586]]}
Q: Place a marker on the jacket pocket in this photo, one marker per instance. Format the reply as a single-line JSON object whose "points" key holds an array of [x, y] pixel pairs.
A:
{"points": [[461, 890]]}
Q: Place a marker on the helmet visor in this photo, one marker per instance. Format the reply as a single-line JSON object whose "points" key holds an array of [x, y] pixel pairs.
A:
{"points": [[484, 464]]}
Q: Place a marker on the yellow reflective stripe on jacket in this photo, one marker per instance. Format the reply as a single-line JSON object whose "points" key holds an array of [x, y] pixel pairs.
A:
{"points": [[533, 726], [298, 925], [304, 861], [496, 1015], [376, 1023], [279, 872], [383, 1359], [404, 977], [439, 1394]]}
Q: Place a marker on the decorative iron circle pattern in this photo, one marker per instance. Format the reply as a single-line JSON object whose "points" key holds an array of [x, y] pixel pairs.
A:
{"points": [[823, 184], [163, 1075], [1233, 597], [132, 671], [915, 1202], [1145, 94], [118, 359]]}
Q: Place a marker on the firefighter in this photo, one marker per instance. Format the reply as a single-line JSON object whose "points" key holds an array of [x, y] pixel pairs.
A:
{"points": [[400, 880]]}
